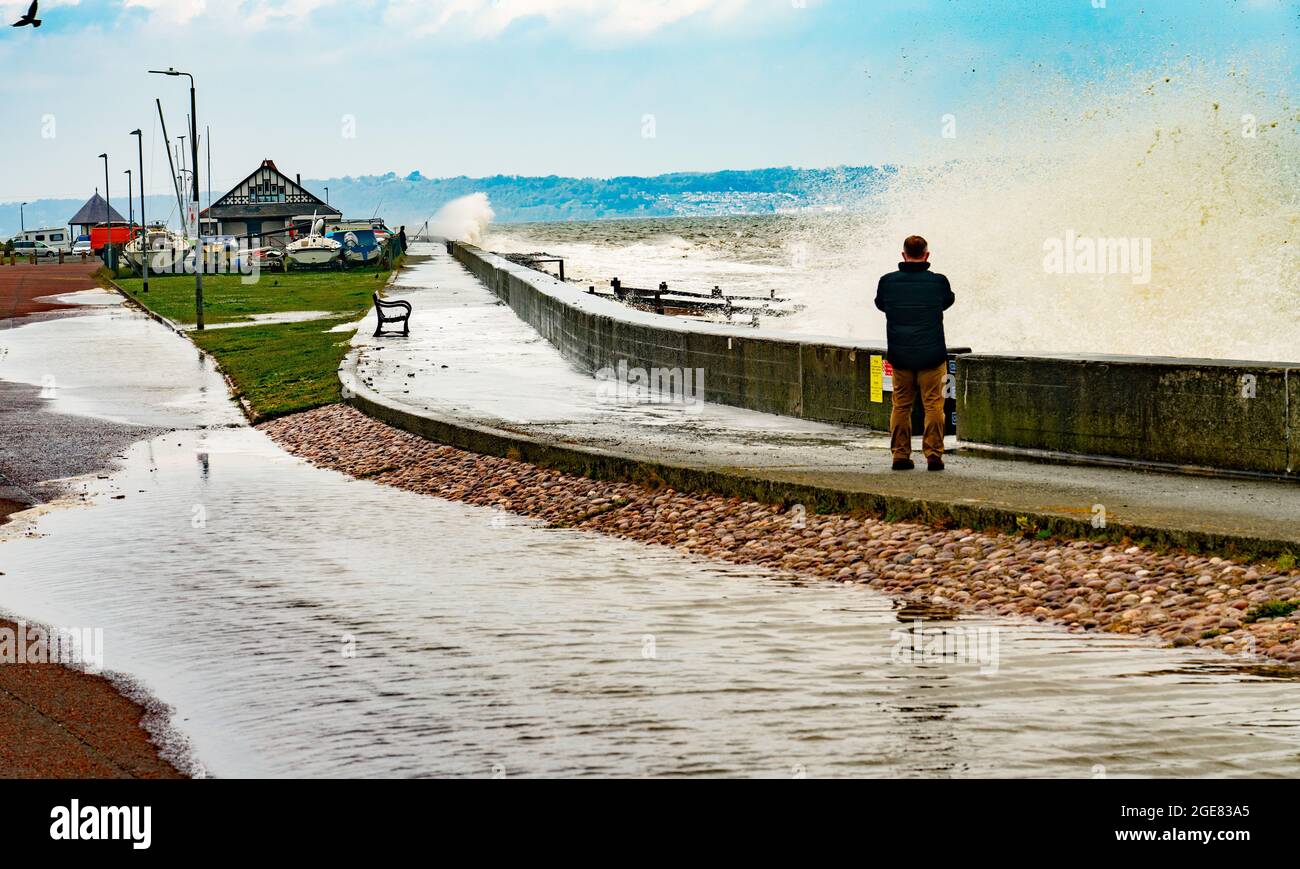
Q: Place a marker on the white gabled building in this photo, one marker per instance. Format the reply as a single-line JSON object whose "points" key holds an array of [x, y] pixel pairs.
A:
{"points": [[265, 201]]}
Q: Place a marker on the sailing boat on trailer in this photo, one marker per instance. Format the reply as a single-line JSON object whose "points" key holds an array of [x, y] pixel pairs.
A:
{"points": [[166, 250], [314, 249]]}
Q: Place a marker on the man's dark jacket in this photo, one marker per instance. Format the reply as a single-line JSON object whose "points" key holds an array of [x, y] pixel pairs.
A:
{"points": [[914, 299]]}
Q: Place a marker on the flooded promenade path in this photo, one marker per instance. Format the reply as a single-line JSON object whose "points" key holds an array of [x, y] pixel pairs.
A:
{"points": [[303, 623]]}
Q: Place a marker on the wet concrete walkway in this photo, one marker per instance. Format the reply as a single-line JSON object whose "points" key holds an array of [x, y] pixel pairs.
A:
{"points": [[469, 358]]}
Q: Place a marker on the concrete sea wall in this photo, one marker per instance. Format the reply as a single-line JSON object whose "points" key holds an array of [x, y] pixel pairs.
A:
{"points": [[1181, 414], [783, 373], [1166, 413]]}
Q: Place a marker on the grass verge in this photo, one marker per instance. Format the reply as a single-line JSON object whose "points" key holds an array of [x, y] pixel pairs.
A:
{"points": [[276, 368], [281, 368], [227, 299]]}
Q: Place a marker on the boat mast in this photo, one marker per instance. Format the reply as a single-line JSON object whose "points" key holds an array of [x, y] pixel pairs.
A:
{"points": [[168, 148]]}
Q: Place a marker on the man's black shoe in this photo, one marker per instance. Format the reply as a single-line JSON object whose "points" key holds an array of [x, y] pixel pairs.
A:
{"points": [[903, 465], [934, 464]]}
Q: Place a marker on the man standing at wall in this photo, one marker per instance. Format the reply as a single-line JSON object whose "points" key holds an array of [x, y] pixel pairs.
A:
{"points": [[914, 299]]}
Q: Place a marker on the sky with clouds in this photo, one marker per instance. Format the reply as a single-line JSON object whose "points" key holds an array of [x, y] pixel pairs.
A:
{"points": [[570, 87]]}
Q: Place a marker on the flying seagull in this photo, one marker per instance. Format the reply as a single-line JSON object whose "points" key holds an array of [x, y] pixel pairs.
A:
{"points": [[30, 17]]}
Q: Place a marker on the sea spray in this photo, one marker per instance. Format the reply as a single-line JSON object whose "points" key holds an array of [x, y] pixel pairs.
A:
{"points": [[465, 219], [1189, 168], [1197, 161]]}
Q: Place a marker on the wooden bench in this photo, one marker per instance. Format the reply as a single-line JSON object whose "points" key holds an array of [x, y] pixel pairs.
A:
{"points": [[398, 305]]}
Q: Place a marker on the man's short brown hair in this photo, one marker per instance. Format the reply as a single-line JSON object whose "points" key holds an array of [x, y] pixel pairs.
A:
{"points": [[915, 246]]}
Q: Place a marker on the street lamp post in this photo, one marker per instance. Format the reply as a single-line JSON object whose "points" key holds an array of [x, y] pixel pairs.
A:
{"points": [[108, 215], [194, 175], [144, 224], [327, 196], [130, 201], [22, 220]]}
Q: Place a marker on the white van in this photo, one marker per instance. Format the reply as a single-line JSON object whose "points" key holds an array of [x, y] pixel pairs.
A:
{"points": [[24, 249], [57, 237]]}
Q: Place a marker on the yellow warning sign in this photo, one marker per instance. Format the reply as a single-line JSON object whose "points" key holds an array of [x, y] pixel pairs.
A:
{"points": [[877, 379]]}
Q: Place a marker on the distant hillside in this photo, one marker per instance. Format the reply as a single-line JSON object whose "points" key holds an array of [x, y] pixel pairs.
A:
{"points": [[410, 199]]}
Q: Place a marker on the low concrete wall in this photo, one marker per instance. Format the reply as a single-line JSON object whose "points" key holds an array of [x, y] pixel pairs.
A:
{"points": [[1160, 412], [1170, 412], [814, 378]]}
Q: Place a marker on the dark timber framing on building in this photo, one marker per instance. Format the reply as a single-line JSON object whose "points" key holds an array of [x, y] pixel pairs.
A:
{"points": [[266, 201]]}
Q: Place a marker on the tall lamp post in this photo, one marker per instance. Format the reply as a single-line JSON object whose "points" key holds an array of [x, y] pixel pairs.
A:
{"points": [[130, 201], [194, 175], [108, 216], [144, 224], [22, 221]]}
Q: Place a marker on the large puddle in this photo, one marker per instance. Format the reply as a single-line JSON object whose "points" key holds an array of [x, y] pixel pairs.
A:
{"points": [[110, 362], [302, 623]]}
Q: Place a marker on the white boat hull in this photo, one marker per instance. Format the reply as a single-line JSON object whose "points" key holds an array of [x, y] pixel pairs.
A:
{"points": [[160, 259], [312, 256]]}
